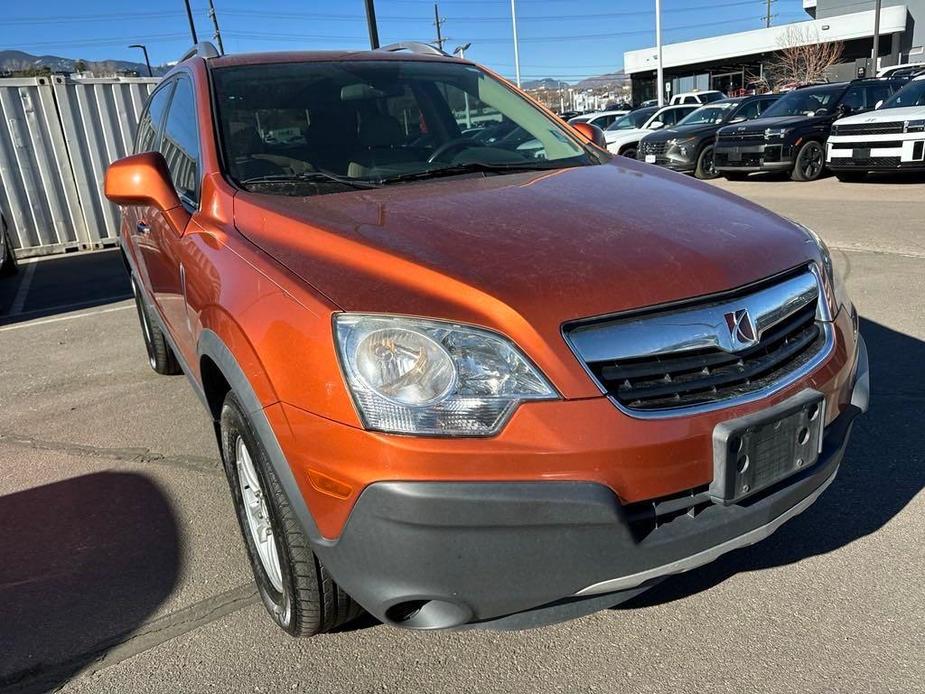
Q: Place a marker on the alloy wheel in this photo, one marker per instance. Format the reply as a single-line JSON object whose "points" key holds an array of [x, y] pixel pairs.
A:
{"points": [[257, 513]]}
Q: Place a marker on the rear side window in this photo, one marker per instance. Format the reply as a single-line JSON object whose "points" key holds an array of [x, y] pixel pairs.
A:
{"points": [[180, 143], [150, 124], [750, 110]]}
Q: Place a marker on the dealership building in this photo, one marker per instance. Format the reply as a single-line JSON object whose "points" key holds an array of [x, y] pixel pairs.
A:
{"points": [[732, 61]]}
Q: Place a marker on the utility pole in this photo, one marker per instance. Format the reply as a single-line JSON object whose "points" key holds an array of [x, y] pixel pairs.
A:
{"points": [[437, 23], [218, 33], [516, 48], [371, 25], [875, 53], [660, 73], [767, 15], [145, 51], [192, 27]]}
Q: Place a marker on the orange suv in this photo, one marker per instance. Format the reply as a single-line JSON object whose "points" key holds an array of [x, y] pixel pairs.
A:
{"points": [[465, 367]]}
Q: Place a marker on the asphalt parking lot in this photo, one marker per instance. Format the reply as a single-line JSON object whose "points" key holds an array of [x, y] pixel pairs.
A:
{"points": [[121, 567]]}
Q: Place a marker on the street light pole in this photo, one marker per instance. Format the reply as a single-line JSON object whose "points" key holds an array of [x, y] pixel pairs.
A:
{"points": [[461, 52], [516, 48], [875, 53], [660, 73], [145, 51], [371, 25], [192, 27]]}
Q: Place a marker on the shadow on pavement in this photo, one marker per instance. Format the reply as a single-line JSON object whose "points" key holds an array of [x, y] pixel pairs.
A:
{"points": [[63, 283], [84, 563], [882, 472]]}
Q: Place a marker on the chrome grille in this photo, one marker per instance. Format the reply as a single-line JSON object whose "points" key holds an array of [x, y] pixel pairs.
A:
{"points": [[689, 356], [867, 128]]}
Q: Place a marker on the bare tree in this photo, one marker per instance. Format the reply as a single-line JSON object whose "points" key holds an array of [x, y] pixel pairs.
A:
{"points": [[803, 57]]}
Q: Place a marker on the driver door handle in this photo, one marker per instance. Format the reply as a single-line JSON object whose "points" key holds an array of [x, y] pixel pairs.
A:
{"points": [[142, 228]]}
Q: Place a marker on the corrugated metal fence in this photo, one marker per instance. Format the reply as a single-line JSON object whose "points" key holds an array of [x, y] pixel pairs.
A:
{"points": [[57, 136]]}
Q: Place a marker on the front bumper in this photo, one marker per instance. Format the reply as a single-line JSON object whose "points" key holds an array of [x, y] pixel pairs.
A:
{"points": [[876, 153], [752, 157], [432, 555]]}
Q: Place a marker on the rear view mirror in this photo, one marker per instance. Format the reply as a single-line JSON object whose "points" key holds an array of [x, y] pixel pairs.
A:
{"points": [[879, 104], [591, 133], [144, 179]]}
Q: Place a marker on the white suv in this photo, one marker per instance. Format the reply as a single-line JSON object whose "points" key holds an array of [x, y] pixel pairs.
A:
{"points": [[887, 139]]}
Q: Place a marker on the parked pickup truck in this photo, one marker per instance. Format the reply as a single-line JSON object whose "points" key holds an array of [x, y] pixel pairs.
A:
{"points": [[889, 139], [458, 386]]}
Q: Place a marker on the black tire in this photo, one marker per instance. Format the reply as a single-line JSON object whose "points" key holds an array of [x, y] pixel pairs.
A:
{"points": [[734, 175], [706, 168], [8, 266], [629, 152], [310, 602], [160, 356], [810, 162], [851, 176]]}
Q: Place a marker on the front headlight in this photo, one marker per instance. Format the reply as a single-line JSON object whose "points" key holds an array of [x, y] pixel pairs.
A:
{"points": [[777, 132], [914, 126], [416, 376], [832, 284], [683, 146]]}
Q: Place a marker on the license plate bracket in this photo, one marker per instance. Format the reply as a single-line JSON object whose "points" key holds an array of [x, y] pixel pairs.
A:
{"points": [[650, 159], [754, 452], [861, 153], [735, 155]]}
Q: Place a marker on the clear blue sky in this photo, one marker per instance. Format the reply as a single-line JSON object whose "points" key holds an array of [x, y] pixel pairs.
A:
{"points": [[565, 39]]}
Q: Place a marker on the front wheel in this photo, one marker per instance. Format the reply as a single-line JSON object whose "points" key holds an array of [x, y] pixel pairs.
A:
{"points": [[706, 166], [294, 585], [629, 152], [810, 162]]}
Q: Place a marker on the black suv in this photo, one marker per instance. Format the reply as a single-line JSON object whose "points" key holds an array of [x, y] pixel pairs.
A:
{"points": [[688, 146], [791, 134]]}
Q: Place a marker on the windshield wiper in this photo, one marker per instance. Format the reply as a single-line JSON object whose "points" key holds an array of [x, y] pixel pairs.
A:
{"points": [[469, 167], [309, 176]]}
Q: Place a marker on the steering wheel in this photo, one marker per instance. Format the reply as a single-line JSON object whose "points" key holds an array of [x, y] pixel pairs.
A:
{"points": [[452, 145]]}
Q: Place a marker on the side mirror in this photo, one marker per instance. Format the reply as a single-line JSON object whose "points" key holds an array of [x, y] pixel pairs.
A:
{"points": [[144, 179], [655, 125], [738, 119], [592, 134], [879, 104]]}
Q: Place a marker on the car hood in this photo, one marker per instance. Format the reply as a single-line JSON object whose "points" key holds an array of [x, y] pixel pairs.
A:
{"points": [[762, 124], [700, 130], [524, 253], [886, 115]]}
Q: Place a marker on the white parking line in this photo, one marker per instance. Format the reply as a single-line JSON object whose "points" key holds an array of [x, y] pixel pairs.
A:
{"points": [[23, 290], [87, 314]]}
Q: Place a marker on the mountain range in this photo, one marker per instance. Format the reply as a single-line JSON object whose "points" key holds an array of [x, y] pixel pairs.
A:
{"points": [[610, 80], [17, 61]]}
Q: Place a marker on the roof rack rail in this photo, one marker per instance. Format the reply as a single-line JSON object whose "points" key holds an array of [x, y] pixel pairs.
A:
{"points": [[413, 47], [204, 49]]}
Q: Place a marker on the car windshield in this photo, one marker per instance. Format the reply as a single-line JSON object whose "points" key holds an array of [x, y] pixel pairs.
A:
{"points": [[805, 102], [708, 115], [305, 128], [633, 119], [709, 97], [913, 94]]}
